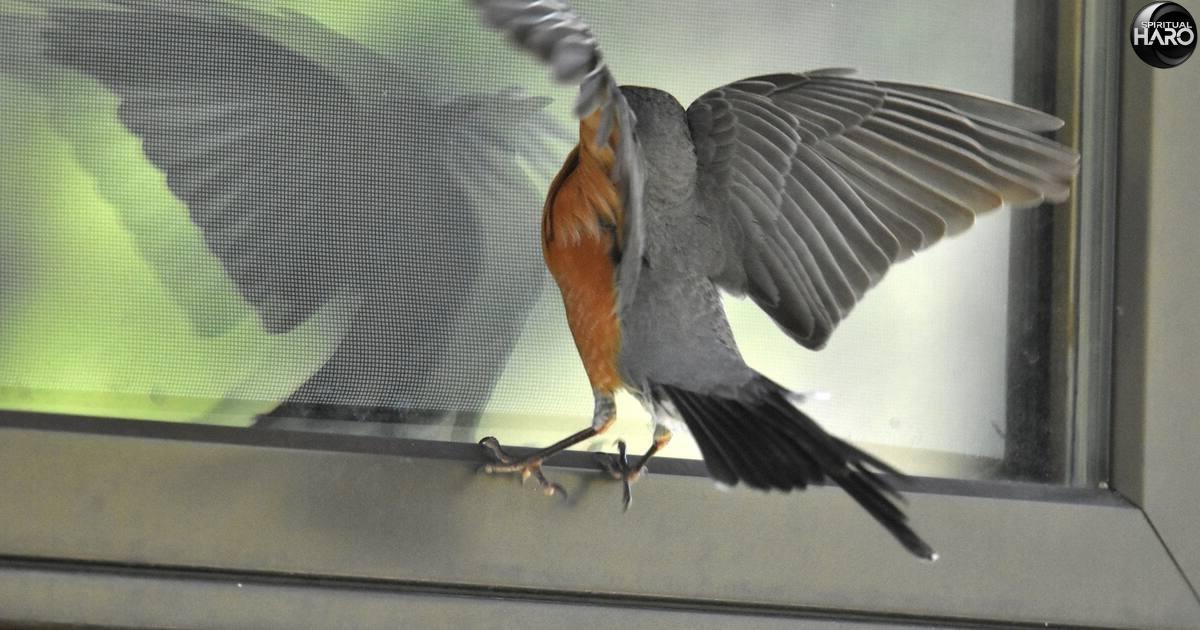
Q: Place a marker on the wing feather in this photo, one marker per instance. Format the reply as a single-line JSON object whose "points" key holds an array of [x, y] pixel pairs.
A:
{"points": [[832, 179], [553, 33]]}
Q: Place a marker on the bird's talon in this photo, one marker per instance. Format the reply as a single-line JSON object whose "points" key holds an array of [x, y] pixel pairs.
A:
{"points": [[608, 463], [492, 446], [617, 466], [549, 488], [505, 463]]}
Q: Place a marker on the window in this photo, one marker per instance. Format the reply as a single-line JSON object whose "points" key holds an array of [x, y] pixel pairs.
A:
{"points": [[133, 302], [981, 365]]}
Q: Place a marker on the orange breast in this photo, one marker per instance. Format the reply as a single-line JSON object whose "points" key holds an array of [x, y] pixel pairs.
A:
{"points": [[580, 241]]}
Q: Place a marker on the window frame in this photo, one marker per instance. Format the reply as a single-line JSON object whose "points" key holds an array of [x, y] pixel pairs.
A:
{"points": [[116, 522]]}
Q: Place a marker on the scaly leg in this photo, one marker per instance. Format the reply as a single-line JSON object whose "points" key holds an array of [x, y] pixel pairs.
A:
{"points": [[602, 417], [618, 465]]}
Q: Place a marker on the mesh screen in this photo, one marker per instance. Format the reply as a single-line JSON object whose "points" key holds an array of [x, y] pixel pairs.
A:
{"points": [[217, 210]]}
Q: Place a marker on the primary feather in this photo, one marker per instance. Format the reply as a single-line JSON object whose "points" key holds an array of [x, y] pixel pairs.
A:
{"points": [[832, 179], [550, 30]]}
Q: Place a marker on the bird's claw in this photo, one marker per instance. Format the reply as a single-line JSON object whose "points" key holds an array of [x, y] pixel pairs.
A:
{"points": [[531, 467], [618, 467]]}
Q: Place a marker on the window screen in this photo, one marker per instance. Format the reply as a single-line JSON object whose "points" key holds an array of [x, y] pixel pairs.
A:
{"points": [[324, 216]]}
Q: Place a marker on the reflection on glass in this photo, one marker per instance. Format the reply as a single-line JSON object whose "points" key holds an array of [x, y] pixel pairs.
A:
{"points": [[410, 287]]}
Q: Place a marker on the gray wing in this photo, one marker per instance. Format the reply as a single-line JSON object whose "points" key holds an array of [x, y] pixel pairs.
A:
{"points": [[823, 181], [552, 32]]}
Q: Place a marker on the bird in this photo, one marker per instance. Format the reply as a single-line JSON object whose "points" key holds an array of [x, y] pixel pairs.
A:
{"points": [[327, 176], [797, 190]]}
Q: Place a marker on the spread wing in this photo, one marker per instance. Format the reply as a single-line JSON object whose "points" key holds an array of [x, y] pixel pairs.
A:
{"points": [[551, 31], [829, 180]]}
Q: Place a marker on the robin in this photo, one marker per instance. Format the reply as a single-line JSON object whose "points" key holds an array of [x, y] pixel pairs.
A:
{"points": [[797, 190]]}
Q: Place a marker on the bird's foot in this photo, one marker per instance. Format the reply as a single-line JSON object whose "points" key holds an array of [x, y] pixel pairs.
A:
{"points": [[618, 467], [526, 468]]}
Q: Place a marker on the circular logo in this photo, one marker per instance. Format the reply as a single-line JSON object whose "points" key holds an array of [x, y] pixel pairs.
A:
{"points": [[1163, 34]]}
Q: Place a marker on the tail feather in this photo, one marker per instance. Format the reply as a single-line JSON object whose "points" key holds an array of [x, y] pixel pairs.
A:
{"points": [[756, 468], [759, 438], [719, 465]]}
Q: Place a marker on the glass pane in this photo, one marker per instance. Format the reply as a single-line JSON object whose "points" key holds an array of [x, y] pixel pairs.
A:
{"points": [[377, 259]]}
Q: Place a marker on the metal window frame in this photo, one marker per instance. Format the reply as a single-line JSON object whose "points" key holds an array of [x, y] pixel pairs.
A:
{"points": [[137, 524]]}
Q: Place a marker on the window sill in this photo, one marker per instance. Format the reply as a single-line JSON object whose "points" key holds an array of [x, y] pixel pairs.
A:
{"points": [[401, 521]]}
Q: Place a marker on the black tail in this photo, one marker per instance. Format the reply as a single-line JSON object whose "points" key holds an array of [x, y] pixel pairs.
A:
{"points": [[762, 440]]}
